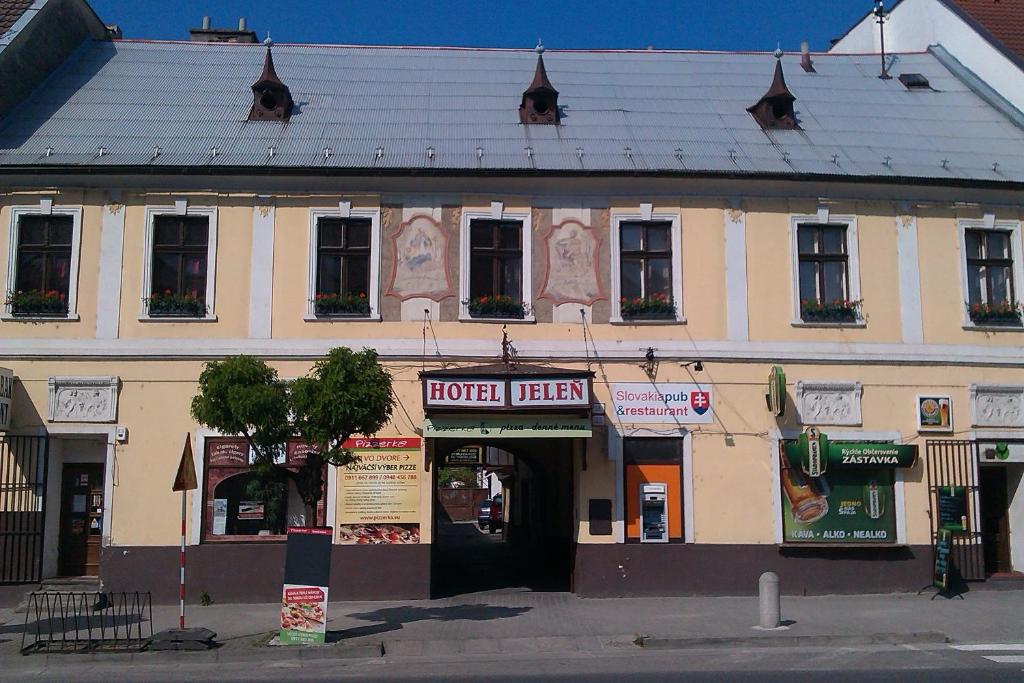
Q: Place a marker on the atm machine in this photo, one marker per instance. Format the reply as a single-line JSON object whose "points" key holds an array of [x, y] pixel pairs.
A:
{"points": [[653, 513]]}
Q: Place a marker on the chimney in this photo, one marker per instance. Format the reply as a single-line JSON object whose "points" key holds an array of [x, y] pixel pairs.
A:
{"points": [[207, 34], [805, 58]]}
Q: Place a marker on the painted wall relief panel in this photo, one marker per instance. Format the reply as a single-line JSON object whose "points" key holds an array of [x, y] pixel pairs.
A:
{"points": [[573, 252], [421, 260]]}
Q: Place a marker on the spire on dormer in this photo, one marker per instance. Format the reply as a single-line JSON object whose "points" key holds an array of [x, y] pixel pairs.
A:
{"points": [[775, 108], [271, 98], [540, 100]]}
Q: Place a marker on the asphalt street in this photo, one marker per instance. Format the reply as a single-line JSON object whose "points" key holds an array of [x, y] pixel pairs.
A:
{"points": [[997, 662]]}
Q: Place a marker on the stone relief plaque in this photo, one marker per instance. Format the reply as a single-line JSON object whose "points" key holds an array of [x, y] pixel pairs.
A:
{"points": [[421, 260], [997, 405], [829, 403], [83, 399], [573, 251]]}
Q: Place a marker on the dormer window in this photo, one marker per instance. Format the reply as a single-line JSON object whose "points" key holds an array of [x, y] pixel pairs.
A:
{"points": [[775, 108], [540, 101], [272, 100]]}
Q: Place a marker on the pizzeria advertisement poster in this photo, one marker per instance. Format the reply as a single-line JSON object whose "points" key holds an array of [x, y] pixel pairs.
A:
{"points": [[307, 571], [379, 493], [842, 506]]}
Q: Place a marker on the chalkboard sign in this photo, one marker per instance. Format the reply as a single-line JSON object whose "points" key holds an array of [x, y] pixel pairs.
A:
{"points": [[943, 548], [307, 569], [953, 508]]}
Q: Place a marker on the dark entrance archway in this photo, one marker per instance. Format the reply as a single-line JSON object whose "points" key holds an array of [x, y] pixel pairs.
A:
{"points": [[526, 546]]}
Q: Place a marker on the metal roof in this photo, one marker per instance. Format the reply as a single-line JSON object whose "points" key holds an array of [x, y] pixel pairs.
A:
{"points": [[172, 104]]}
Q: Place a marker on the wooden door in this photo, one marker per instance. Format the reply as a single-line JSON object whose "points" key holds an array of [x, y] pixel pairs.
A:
{"points": [[995, 523], [81, 519]]}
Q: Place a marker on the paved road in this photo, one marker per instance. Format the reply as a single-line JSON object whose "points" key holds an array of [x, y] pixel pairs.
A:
{"points": [[836, 665]]}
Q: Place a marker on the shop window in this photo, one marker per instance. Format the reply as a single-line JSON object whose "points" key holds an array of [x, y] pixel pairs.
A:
{"points": [[646, 276], [654, 481], [991, 299], [43, 273], [240, 506], [344, 273], [843, 506], [180, 259], [495, 269]]}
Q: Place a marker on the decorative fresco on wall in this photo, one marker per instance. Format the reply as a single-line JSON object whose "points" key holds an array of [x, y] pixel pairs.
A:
{"points": [[573, 252], [421, 260]]}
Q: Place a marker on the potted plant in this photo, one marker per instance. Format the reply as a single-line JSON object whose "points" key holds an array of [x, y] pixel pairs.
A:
{"points": [[835, 311], [342, 305], [168, 304], [38, 304], [496, 306], [1000, 313], [657, 306]]}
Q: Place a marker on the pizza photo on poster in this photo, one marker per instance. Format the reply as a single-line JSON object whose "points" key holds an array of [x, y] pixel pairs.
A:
{"points": [[378, 534]]}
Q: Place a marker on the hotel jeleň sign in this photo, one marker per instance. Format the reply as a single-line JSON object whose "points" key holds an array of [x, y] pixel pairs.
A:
{"points": [[548, 392]]}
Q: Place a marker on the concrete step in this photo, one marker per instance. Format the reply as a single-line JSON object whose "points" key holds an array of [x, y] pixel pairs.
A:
{"points": [[78, 584]]}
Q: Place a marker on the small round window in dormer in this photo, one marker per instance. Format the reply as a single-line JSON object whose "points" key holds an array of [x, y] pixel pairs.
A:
{"points": [[268, 101], [541, 105]]}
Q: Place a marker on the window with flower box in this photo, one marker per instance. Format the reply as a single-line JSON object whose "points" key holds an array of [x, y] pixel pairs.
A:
{"points": [[43, 264], [342, 268], [991, 299], [179, 267], [178, 272], [824, 274], [496, 269], [645, 253]]}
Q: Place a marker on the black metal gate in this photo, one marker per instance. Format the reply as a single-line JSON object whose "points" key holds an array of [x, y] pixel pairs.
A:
{"points": [[955, 463], [22, 508]]}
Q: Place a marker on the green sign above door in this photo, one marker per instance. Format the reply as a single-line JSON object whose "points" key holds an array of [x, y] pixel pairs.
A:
{"points": [[842, 454], [510, 427]]}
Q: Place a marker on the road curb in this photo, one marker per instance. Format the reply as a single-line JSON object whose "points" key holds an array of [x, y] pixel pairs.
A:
{"points": [[921, 638]]}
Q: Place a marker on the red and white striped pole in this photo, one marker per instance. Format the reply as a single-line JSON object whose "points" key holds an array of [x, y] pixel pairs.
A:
{"points": [[181, 586]]}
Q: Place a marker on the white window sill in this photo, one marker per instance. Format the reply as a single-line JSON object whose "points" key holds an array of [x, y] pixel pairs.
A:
{"points": [[993, 328], [505, 321], [859, 324], [312, 318], [648, 321], [7, 318], [177, 319]]}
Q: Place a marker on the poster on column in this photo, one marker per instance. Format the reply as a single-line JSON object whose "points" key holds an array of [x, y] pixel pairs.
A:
{"points": [[307, 569], [379, 495]]}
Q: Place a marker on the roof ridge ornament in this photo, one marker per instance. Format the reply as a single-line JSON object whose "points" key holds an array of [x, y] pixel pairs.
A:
{"points": [[271, 98], [775, 108], [540, 100]]}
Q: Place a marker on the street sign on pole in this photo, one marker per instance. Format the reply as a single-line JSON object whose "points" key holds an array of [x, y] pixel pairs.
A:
{"points": [[184, 481]]}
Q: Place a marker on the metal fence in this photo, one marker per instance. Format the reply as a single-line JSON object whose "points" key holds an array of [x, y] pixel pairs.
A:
{"points": [[955, 463], [84, 622], [22, 507]]}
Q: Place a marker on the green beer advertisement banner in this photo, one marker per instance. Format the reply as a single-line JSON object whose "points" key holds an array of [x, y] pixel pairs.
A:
{"points": [[841, 506]]}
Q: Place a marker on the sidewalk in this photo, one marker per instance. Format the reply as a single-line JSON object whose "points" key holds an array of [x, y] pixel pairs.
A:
{"points": [[485, 623]]}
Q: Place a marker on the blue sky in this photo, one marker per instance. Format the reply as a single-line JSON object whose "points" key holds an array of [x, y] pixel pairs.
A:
{"points": [[684, 24]]}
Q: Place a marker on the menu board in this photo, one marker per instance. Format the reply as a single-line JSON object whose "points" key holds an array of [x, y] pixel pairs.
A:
{"points": [[952, 508], [943, 548], [379, 495], [841, 507], [307, 569]]}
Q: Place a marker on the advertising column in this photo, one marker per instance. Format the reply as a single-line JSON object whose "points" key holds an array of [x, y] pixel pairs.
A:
{"points": [[379, 496]]}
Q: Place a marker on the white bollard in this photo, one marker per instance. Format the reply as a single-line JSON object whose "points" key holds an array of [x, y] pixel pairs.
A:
{"points": [[768, 593]]}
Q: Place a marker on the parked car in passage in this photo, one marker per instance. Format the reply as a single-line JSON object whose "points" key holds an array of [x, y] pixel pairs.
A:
{"points": [[496, 519], [484, 518]]}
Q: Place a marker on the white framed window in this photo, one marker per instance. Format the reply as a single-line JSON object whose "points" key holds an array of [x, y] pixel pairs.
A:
{"points": [[496, 273], [991, 273], [343, 265], [825, 271], [42, 263], [647, 272], [179, 264]]}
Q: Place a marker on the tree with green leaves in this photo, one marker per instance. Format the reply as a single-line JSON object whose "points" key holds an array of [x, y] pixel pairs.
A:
{"points": [[345, 393]]}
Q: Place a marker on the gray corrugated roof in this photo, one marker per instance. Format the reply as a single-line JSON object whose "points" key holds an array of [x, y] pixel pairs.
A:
{"points": [[675, 111]]}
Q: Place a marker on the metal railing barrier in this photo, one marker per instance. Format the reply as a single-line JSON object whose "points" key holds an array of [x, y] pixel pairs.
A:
{"points": [[87, 622]]}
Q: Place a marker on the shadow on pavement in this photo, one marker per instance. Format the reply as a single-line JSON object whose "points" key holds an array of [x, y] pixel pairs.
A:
{"points": [[394, 618]]}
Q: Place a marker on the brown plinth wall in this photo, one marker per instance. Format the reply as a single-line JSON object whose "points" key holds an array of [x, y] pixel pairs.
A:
{"points": [[624, 570], [254, 572]]}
